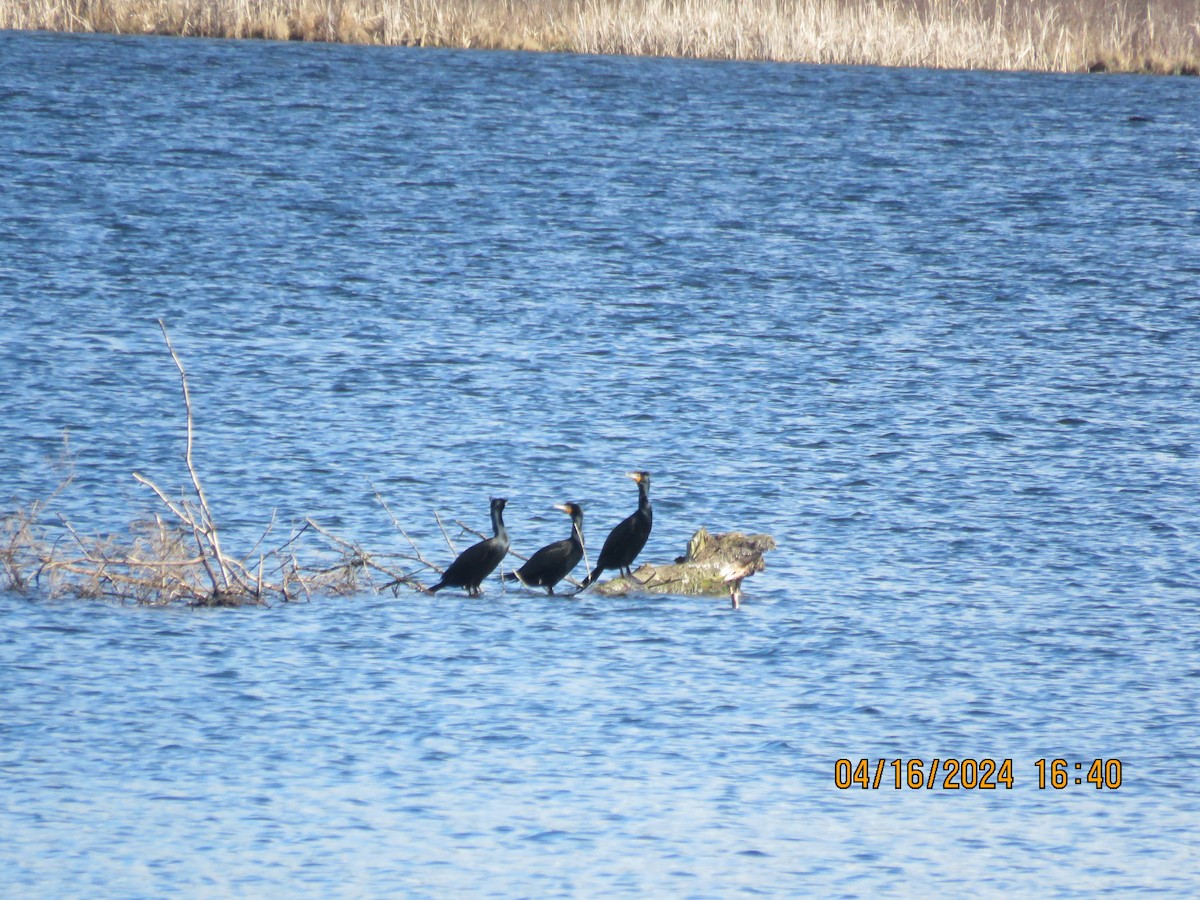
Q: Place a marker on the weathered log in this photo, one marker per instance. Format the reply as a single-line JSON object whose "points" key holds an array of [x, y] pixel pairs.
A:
{"points": [[714, 564]]}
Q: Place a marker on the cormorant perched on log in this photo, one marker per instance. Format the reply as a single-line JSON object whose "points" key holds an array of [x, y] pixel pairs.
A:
{"points": [[554, 562], [477, 562], [626, 541]]}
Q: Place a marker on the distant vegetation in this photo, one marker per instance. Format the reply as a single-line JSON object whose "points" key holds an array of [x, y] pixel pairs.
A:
{"points": [[1042, 35]]}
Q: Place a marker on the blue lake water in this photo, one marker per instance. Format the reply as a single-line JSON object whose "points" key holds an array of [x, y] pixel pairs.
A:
{"points": [[936, 332]]}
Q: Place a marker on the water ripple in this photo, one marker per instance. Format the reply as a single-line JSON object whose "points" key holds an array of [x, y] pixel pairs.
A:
{"points": [[936, 332]]}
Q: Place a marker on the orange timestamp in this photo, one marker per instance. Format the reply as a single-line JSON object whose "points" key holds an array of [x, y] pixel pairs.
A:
{"points": [[985, 774]]}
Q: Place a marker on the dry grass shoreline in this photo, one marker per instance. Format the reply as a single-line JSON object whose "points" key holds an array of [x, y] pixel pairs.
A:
{"points": [[1036, 35]]}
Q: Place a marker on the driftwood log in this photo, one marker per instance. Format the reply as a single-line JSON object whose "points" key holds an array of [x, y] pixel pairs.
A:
{"points": [[714, 564]]}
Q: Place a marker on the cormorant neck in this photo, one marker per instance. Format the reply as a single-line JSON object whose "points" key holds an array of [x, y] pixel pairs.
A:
{"points": [[577, 527], [643, 497], [498, 529]]}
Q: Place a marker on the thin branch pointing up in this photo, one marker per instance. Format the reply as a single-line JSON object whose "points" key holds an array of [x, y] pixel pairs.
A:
{"points": [[207, 526]]}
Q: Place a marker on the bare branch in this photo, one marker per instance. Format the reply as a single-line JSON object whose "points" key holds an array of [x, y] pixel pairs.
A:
{"points": [[449, 543], [479, 535], [187, 519], [207, 525]]}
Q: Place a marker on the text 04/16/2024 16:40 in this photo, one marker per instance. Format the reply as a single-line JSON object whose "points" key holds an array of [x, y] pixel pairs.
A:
{"points": [[971, 774]]}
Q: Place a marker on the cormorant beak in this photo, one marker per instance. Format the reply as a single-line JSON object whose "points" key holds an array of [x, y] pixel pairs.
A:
{"points": [[563, 507], [636, 476]]}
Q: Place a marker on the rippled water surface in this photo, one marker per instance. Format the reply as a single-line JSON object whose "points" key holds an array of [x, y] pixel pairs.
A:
{"points": [[938, 333]]}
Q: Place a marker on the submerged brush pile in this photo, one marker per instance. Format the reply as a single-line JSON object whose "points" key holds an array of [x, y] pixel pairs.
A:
{"points": [[157, 563], [180, 558], [1042, 35]]}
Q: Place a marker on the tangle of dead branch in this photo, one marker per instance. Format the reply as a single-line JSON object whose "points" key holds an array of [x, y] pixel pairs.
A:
{"points": [[179, 558]]}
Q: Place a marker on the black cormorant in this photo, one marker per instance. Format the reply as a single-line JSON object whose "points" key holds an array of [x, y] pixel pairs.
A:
{"points": [[554, 562], [478, 561], [626, 541]]}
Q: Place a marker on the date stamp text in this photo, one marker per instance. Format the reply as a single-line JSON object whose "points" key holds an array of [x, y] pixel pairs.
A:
{"points": [[968, 774]]}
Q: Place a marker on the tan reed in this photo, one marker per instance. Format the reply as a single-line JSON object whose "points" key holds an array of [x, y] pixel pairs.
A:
{"points": [[1041, 35]]}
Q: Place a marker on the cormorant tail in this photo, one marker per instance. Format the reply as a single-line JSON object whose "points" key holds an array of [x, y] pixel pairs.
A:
{"points": [[595, 574]]}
